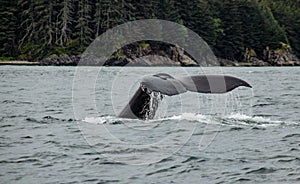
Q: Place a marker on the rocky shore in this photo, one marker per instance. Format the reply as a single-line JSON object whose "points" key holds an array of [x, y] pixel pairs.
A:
{"points": [[163, 55], [278, 57], [144, 54]]}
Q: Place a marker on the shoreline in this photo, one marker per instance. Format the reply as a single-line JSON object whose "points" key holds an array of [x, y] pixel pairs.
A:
{"points": [[231, 64], [20, 63], [163, 55]]}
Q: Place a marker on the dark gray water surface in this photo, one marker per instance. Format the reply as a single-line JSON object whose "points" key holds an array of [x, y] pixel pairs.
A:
{"points": [[53, 131]]}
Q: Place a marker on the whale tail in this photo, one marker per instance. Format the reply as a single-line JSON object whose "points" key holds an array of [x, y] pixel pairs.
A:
{"points": [[144, 102], [212, 83]]}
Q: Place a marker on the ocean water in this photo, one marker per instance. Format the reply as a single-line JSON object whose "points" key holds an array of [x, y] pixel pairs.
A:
{"points": [[60, 125]]}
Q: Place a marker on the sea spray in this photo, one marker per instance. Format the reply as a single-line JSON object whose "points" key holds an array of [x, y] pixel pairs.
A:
{"points": [[155, 99]]}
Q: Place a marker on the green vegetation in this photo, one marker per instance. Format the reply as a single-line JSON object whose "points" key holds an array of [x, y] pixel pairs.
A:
{"points": [[32, 30]]}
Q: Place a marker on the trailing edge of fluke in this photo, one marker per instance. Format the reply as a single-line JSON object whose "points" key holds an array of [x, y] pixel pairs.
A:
{"points": [[143, 104]]}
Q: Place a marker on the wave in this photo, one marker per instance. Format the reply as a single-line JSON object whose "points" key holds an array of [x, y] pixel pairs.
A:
{"points": [[236, 119]]}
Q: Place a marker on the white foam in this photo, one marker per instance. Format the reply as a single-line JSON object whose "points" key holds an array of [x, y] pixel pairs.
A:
{"points": [[93, 120], [101, 120], [256, 120], [232, 119]]}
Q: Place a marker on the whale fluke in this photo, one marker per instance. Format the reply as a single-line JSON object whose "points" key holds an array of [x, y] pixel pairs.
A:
{"points": [[212, 83], [144, 102]]}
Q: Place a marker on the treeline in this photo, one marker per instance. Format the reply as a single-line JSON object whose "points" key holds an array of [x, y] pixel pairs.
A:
{"points": [[35, 29]]}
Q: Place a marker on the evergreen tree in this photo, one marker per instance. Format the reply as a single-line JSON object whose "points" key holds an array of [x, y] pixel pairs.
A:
{"points": [[273, 34], [8, 26], [145, 9], [83, 31], [287, 12], [260, 29], [109, 14], [196, 15], [37, 28], [205, 24], [65, 20], [168, 11], [230, 43]]}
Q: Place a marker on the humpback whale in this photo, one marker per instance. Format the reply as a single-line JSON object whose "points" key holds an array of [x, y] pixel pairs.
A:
{"points": [[145, 101]]}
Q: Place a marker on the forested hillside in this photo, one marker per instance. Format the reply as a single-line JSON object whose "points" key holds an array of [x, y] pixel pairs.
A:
{"points": [[35, 29]]}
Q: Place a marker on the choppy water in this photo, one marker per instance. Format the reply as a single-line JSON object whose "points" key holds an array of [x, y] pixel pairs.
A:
{"points": [[59, 125]]}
